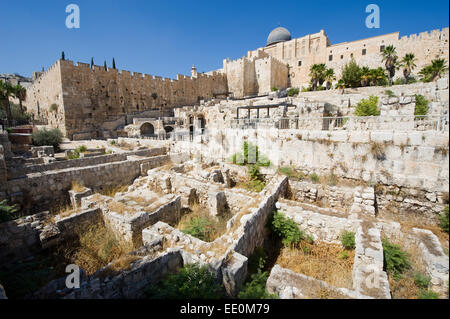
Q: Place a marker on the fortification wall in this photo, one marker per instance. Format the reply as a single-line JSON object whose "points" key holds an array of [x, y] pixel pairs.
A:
{"points": [[44, 92]]}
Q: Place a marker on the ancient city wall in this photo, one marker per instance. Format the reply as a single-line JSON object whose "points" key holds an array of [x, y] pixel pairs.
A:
{"points": [[89, 97]]}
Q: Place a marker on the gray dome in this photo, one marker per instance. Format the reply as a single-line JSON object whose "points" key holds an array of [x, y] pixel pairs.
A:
{"points": [[279, 34]]}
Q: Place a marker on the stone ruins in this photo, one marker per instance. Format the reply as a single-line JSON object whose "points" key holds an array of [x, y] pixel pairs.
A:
{"points": [[159, 151]]}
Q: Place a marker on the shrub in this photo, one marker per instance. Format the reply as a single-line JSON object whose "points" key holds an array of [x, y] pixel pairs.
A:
{"points": [[287, 229], [367, 107], [274, 89], [344, 255], [422, 281], [7, 212], [421, 105], [44, 137], [428, 294], [253, 172], [190, 282], [256, 287], [348, 239], [255, 185], [293, 91], [256, 260], [443, 220], [314, 177], [395, 259], [199, 227], [255, 156]]}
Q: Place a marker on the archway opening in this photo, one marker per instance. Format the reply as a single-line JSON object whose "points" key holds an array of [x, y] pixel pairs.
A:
{"points": [[147, 129]]}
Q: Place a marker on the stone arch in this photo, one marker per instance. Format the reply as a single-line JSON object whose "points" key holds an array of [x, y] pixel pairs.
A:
{"points": [[147, 129], [168, 129]]}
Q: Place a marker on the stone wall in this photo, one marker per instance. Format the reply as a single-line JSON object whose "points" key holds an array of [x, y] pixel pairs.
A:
{"points": [[40, 190], [90, 98]]}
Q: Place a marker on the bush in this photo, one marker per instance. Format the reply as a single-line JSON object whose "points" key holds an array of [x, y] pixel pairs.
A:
{"points": [[428, 294], [344, 255], [256, 288], [255, 156], [53, 107], [395, 259], [348, 239], [44, 137], [422, 281], [293, 91], [287, 229], [367, 107], [390, 93], [443, 220], [421, 105], [274, 89], [190, 282], [255, 185], [7, 212], [256, 260]]}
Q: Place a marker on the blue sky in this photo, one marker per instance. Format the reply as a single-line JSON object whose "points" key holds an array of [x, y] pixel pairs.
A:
{"points": [[167, 37]]}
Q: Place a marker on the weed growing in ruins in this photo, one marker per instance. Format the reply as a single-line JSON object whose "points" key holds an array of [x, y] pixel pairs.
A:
{"points": [[53, 107], [395, 259], [287, 229], [256, 287], [249, 149], [78, 186], [367, 107], [428, 294], [7, 212], [314, 178], [389, 93], [421, 108], [347, 239], [44, 137], [422, 281], [198, 227], [443, 220], [190, 282], [291, 173]]}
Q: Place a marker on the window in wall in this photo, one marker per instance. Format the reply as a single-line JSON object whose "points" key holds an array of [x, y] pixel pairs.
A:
{"points": [[351, 55], [364, 52], [342, 56], [330, 58], [299, 63], [381, 48]]}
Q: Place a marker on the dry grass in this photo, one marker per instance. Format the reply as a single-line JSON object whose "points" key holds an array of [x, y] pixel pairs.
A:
{"points": [[78, 186], [98, 246], [62, 211], [112, 190], [321, 261], [378, 150], [142, 201], [120, 208], [126, 146]]}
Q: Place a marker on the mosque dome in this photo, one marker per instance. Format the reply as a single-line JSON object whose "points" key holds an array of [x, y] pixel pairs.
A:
{"points": [[279, 34]]}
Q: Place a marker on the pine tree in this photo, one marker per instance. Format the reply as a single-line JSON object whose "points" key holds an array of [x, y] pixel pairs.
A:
{"points": [[114, 64], [92, 63], [106, 68], [63, 56]]}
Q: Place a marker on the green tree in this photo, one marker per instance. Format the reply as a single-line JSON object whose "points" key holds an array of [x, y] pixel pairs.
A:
{"points": [[317, 75], [389, 57], [190, 282], [92, 63], [351, 74], [365, 75], [63, 56], [114, 64], [367, 107], [408, 65], [438, 67], [104, 65]]}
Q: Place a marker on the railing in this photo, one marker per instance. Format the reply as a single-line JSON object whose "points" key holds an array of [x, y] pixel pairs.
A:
{"points": [[349, 123]]}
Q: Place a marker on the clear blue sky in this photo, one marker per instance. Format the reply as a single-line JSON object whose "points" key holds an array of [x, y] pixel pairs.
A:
{"points": [[166, 37]]}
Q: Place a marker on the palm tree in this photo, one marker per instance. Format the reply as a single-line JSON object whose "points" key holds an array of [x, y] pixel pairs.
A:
{"points": [[389, 57], [438, 67], [408, 65], [329, 77], [7, 90], [377, 76], [365, 75], [21, 94], [317, 74], [341, 85]]}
